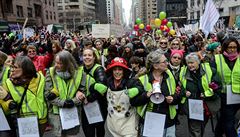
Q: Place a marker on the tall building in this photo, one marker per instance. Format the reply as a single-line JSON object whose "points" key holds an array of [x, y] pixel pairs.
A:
{"points": [[75, 13], [226, 9], [146, 10], [111, 11], [118, 12], [101, 11], [16, 11], [176, 11]]}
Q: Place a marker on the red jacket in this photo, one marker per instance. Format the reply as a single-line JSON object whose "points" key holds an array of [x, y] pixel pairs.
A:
{"points": [[42, 62]]}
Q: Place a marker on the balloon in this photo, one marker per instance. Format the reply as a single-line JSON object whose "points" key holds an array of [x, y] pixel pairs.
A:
{"points": [[157, 22], [162, 27], [169, 24], [136, 27], [162, 15], [138, 21], [141, 26], [164, 21], [172, 32], [167, 29], [159, 31], [148, 28]]}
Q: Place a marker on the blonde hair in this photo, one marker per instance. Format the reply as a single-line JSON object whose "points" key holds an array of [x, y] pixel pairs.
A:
{"points": [[73, 46]]}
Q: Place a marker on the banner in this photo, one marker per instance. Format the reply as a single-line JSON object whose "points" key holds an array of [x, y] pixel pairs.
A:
{"points": [[209, 17], [106, 30]]}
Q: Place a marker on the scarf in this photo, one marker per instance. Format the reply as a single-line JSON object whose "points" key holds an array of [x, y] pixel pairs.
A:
{"points": [[232, 56], [64, 75], [174, 68]]}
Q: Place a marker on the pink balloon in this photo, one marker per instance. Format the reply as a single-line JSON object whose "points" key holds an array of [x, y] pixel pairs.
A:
{"points": [[136, 28], [164, 21]]}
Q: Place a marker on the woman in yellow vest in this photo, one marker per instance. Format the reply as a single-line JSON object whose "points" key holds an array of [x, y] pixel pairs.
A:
{"points": [[4, 70], [227, 64], [199, 82], [95, 91], [158, 74], [26, 84], [62, 83]]}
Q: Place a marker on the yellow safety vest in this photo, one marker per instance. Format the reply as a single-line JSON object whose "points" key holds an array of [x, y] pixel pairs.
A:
{"points": [[148, 87], [206, 80], [66, 89], [228, 77], [4, 76], [34, 100]]}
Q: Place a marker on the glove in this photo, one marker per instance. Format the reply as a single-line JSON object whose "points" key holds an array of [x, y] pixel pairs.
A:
{"points": [[68, 103], [213, 85], [12, 105], [132, 92], [51, 96]]}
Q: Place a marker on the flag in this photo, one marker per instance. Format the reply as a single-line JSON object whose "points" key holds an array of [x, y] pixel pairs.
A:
{"points": [[209, 17]]}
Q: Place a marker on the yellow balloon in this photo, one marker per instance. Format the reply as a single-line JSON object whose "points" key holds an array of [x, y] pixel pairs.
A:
{"points": [[141, 26], [172, 32], [157, 22]]}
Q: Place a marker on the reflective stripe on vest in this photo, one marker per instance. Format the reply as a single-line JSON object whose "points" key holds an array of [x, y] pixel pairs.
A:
{"points": [[32, 103], [148, 87], [205, 80], [66, 89], [228, 77], [90, 78], [4, 75]]}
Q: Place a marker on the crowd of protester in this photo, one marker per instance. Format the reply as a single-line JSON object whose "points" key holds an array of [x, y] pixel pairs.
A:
{"points": [[42, 74]]}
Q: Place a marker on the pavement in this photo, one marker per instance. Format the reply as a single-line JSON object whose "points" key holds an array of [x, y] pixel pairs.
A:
{"points": [[181, 130]]}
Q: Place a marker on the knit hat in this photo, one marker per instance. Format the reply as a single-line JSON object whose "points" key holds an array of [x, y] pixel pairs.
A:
{"points": [[129, 45], [213, 46], [180, 52]]}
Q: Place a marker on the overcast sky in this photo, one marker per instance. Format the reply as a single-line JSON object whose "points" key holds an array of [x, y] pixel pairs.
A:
{"points": [[127, 6]]}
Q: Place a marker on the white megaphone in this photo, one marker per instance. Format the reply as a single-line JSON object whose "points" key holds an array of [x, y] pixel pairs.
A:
{"points": [[157, 97]]}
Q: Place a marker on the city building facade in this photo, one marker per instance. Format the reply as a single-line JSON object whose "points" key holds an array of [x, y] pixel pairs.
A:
{"points": [[226, 8], [39, 13]]}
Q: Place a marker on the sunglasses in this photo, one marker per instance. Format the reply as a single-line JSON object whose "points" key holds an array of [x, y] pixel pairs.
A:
{"points": [[163, 43], [175, 44], [177, 58]]}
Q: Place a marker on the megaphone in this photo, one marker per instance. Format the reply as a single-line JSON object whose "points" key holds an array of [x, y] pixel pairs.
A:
{"points": [[157, 97]]}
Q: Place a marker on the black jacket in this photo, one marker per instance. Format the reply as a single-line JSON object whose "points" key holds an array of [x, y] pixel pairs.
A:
{"points": [[162, 108]]}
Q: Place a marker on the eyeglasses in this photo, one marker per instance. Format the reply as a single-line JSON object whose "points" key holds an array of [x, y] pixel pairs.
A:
{"points": [[163, 43], [230, 47], [31, 51], [175, 44], [177, 58]]}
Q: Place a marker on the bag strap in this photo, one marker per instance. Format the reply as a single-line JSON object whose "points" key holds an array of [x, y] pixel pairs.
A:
{"points": [[22, 98]]}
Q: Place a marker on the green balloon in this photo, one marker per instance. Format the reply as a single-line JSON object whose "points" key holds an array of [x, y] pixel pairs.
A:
{"points": [[169, 24], [138, 21], [159, 31], [162, 15]]}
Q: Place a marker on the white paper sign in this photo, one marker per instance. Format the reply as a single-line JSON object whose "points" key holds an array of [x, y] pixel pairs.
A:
{"points": [[4, 124], [154, 124], [93, 112], [196, 109], [69, 117], [231, 97], [101, 30], [28, 127]]}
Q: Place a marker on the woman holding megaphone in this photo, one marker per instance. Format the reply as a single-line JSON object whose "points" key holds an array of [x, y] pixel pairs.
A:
{"points": [[160, 96]]}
